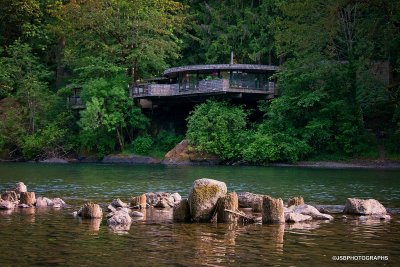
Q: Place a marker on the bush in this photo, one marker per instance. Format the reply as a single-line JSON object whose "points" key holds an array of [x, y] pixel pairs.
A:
{"points": [[217, 128], [142, 144], [165, 141]]}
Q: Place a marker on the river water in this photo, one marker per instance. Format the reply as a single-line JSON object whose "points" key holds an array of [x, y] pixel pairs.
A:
{"points": [[53, 237]]}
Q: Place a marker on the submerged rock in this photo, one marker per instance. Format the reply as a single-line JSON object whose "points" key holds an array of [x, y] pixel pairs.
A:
{"points": [[137, 214], [58, 203], [273, 210], [203, 197], [90, 210], [363, 207], [311, 211], [10, 196], [181, 212], [250, 200], [380, 217], [54, 161], [120, 217], [28, 198], [295, 201], [6, 205]]}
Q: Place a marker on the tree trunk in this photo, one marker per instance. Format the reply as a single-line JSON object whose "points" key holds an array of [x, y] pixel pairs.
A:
{"points": [[273, 210], [59, 60], [228, 202]]}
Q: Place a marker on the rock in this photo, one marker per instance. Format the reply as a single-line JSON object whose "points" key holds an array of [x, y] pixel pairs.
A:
{"points": [[6, 205], [203, 197], [111, 208], [139, 201], [295, 201], [273, 210], [54, 161], [296, 217], [58, 203], [311, 211], [186, 154], [24, 206], [330, 208], [176, 197], [10, 196], [363, 207], [131, 159], [381, 217], [250, 200], [19, 188], [163, 203], [28, 198], [120, 217], [227, 202], [154, 199], [116, 203], [42, 202], [90, 210], [181, 212], [137, 214]]}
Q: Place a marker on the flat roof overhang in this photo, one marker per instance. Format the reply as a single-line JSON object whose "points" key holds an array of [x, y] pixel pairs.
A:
{"points": [[172, 72]]}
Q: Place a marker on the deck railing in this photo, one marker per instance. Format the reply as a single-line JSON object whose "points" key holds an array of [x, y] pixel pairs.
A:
{"points": [[202, 86]]}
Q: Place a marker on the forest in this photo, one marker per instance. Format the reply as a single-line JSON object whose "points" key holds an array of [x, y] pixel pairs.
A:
{"points": [[338, 81]]}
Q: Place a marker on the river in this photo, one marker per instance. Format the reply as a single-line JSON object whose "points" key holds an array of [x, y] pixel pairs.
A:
{"points": [[54, 237]]}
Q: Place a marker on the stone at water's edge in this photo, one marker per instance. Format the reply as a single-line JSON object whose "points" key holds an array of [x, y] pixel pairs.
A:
{"points": [[19, 188], [42, 202], [28, 198], [295, 201], [137, 214], [273, 210], [375, 217], [120, 217], [227, 202], [90, 210], [116, 203], [311, 211], [58, 203], [10, 196], [181, 212], [162, 199], [250, 200], [6, 205], [203, 197], [185, 154], [296, 217], [139, 201], [363, 207]]}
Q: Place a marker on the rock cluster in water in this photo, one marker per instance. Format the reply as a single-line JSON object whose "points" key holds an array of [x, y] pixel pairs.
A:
{"points": [[18, 196]]}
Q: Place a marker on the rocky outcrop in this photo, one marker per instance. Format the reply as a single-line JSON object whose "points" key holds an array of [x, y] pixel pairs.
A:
{"points": [[310, 211], [363, 207], [250, 200], [27, 198], [139, 202], [227, 203], [295, 201], [10, 196], [203, 197], [185, 154], [90, 210], [273, 210], [181, 212], [129, 159]]}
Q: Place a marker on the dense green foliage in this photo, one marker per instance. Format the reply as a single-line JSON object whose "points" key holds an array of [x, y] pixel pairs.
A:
{"points": [[332, 102]]}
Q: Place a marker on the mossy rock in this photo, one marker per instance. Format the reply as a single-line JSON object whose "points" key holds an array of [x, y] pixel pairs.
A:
{"points": [[203, 198]]}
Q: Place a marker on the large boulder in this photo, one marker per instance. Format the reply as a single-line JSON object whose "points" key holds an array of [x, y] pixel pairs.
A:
{"points": [[296, 217], [181, 212], [10, 196], [203, 198], [28, 198], [273, 210], [363, 207], [311, 211], [250, 200], [120, 217], [90, 210], [186, 154]]}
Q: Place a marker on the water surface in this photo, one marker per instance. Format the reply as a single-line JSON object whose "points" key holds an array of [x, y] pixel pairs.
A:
{"points": [[54, 237]]}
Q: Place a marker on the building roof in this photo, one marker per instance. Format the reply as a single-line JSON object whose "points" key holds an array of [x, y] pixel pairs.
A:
{"points": [[212, 67]]}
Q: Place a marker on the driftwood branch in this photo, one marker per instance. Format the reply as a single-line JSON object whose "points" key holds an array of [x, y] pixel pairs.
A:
{"points": [[243, 217]]}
